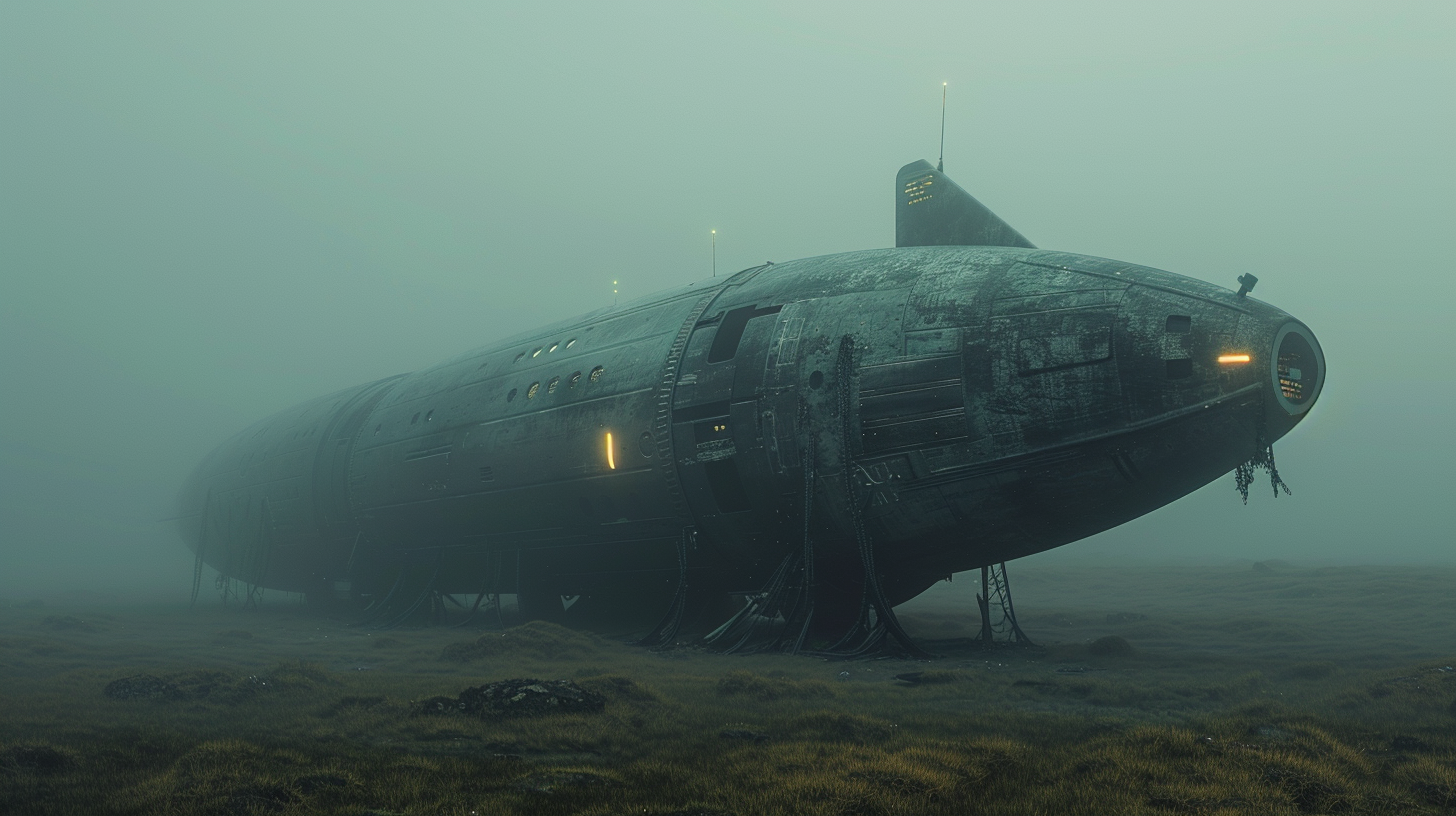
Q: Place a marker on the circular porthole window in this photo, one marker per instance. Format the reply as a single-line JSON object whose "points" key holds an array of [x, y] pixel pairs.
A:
{"points": [[1299, 368], [596, 373], [511, 396], [531, 392]]}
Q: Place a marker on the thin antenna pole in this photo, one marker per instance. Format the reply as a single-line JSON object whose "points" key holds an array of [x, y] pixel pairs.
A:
{"points": [[715, 253], [940, 165]]}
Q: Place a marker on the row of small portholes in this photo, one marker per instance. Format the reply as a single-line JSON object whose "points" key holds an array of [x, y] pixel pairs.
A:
{"points": [[555, 382], [547, 349], [531, 391]]}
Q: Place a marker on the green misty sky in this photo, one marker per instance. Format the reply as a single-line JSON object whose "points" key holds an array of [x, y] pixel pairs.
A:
{"points": [[209, 212]]}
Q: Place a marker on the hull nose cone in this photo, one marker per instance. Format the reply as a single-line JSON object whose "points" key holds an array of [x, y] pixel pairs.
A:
{"points": [[1296, 375]]}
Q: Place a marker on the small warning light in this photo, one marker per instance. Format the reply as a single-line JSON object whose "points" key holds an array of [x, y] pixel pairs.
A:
{"points": [[1233, 359]]}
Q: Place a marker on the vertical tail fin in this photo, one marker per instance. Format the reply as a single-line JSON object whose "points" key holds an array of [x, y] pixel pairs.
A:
{"points": [[932, 210]]}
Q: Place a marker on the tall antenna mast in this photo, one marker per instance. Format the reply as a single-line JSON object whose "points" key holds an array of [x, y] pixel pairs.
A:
{"points": [[940, 164], [715, 253]]}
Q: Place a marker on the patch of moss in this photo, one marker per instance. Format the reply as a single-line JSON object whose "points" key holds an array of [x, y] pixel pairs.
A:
{"points": [[1311, 670], [68, 623], [1110, 646], [839, 726], [352, 703], [232, 636], [933, 677], [620, 687], [741, 683], [36, 758], [686, 732], [541, 640]]}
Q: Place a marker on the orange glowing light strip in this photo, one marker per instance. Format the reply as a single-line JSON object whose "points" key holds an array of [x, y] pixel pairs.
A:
{"points": [[611, 458], [1225, 359]]}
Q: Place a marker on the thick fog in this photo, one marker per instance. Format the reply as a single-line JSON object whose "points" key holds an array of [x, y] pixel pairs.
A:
{"points": [[214, 211]]}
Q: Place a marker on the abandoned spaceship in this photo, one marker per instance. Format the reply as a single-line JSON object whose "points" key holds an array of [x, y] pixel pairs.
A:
{"points": [[822, 439]]}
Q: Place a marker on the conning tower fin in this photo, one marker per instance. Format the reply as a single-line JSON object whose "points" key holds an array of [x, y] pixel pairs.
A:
{"points": [[932, 210]]}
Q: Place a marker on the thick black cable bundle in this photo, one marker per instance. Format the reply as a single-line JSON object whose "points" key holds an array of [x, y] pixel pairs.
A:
{"points": [[389, 611], [786, 601], [665, 632], [876, 616]]}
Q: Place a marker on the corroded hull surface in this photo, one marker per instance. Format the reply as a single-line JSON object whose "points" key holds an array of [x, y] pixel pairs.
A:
{"points": [[953, 406]]}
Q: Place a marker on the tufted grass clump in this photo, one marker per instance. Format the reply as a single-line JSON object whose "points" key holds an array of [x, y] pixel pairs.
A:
{"points": [[315, 717], [1110, 646], [539, 640], [741, 683]]}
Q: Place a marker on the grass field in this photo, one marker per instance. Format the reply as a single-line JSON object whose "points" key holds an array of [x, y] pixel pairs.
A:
{"points": [[1264, 689]]}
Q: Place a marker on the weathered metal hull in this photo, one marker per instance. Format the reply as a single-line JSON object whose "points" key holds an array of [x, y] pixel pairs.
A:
{"points": [[962, 406]]}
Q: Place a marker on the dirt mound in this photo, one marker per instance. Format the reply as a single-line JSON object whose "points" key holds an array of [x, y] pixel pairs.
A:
{"points": [[517, 698]]}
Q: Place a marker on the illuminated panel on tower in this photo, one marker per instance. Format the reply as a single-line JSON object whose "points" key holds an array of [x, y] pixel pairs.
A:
{"points": [[918, 190]]}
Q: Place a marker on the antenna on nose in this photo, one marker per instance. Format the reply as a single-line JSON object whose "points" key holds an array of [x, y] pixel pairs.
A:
{"points": [[940, 163]]}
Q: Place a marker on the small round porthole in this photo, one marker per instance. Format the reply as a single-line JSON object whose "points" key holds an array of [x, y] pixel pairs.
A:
{"points": [[551, 386], [536, 353], [552, 348], [430, 415], [816, 380], [571, 342], [596, 373], [531, 392], [573, 379], [415, 418], [520, 357], [511, 396]]}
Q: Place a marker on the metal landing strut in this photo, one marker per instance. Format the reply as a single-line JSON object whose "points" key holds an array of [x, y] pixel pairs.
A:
{"points": [[1004, 631]]}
